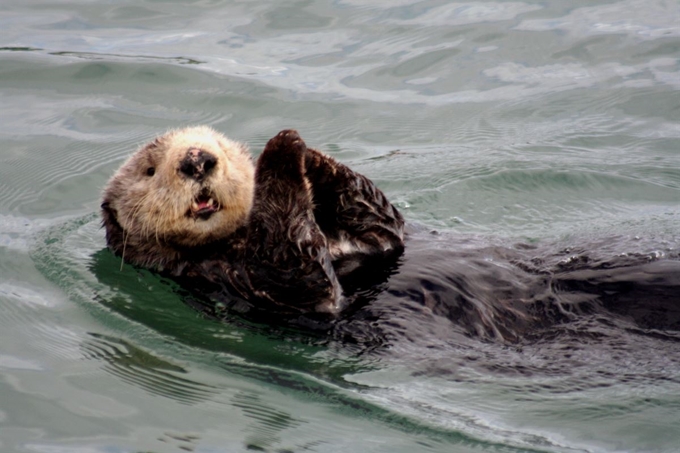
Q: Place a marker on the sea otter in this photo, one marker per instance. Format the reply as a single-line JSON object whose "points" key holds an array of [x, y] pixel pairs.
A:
{"points": [[192, 204], [288, 236]]}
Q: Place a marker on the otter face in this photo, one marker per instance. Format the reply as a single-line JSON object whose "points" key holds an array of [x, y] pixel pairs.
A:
{"points": [[187, 188]]}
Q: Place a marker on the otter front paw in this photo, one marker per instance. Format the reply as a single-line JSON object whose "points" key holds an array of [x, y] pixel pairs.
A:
{"points": [[280, 167], [286, 142]]}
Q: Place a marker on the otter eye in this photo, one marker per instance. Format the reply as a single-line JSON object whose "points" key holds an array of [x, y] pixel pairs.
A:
{"points": [[150, 171]]}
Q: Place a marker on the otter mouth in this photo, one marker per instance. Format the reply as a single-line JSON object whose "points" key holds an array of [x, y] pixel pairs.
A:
{"points": [[203, 206]]}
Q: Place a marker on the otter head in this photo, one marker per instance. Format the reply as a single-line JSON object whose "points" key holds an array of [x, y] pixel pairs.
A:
{"points": [[186, 189]]}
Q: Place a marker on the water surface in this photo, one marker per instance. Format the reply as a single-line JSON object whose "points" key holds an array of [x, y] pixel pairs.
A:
{"points": [[504, 121]]}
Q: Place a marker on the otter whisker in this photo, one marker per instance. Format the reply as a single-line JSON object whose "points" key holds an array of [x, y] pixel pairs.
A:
{"points": [[122, 256], [150, 224], [136, 208], [126, 235], [158, 221]]}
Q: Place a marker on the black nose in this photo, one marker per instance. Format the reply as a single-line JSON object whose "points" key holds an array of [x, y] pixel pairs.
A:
{"points": [[197, 164]]}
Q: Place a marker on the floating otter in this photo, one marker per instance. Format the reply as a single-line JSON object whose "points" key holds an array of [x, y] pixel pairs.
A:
{"points": [[289, 236], [191, 204]]}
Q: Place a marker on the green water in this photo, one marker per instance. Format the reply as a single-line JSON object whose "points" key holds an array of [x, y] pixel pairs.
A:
{"points": [[536, 120]]}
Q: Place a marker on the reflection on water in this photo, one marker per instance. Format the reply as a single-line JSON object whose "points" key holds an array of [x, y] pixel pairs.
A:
{"points": [[140, 368], [493, 122]]}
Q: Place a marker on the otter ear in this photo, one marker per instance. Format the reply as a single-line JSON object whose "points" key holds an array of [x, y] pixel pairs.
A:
{"points": [[109, 214], [114, 232], [106, 206]]}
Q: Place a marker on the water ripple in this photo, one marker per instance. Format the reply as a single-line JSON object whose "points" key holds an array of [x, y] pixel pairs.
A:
{"points": [[651, 20], [547, 121], [142, 369]]}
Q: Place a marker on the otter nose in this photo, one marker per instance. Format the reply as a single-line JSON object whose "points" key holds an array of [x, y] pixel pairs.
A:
{"points": [[197, 164]]}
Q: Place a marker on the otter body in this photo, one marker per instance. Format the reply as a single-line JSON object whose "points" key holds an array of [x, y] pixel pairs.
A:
{"points": [[290, 234], [192, 204]]}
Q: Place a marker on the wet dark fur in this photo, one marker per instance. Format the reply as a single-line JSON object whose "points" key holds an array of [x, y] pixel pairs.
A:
{"points": [[285, 260], [444, 286]]}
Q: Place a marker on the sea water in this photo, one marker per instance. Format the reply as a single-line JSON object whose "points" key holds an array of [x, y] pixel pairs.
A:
{"points": [[531, 121]]}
